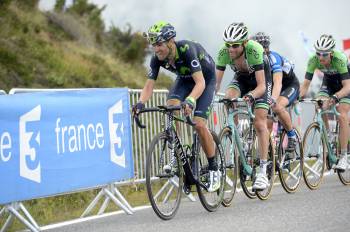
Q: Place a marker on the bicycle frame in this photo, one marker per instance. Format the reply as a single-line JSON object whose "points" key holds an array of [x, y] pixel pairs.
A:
{"points": [[318, 119], [236, 137], [176, 143]]}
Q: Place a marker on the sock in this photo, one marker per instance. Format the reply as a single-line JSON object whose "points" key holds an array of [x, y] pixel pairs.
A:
{"points": [[291, 133], [343, 153], [213, 166], [263, 164]]}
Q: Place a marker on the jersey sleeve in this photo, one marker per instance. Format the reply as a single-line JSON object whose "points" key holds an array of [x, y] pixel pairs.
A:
{"points": [[255, 55], [275, 62], [341, 65], [311, 66], [222, 59], [154, 68]]}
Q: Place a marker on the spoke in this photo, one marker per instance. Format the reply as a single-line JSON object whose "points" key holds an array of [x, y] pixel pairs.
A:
{"points": [[161, 190], [166, 198], [312, 170], [229, 181]]}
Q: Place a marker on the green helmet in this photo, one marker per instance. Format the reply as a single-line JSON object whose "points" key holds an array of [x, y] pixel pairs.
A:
{"points": [[160, 32]]}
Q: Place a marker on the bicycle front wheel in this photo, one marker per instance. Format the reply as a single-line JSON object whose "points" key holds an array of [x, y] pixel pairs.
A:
{"points": [[231, 158], [164, 177], [290, 166], [314, 156], [211, 200]]}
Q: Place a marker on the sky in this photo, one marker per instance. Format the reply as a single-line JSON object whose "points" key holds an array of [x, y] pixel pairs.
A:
{"points": [[205, 21]]}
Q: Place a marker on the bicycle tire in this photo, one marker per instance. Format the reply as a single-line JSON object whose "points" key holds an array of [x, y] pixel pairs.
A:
{"points": [[204, 195], [290, 172], [311, 137], [157, 181], [270, 171], [245, 180], [231, 166]]}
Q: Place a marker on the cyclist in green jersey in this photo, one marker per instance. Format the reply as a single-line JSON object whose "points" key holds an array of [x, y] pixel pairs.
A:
{"points": [[335, 86], [252, 80], [194, 85]]}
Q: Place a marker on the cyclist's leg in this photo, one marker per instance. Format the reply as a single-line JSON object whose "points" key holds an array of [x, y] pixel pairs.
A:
{"points": [[178, 92], [324, 93], [201, 114], [287, 97], [343, 109], [234, 90]]}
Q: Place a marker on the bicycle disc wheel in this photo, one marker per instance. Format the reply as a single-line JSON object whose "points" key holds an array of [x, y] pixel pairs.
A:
{"points": [[251, 157], [211, 200], [164, 186], [270, 172], [290, 171], [314, 156], [231, 159]]}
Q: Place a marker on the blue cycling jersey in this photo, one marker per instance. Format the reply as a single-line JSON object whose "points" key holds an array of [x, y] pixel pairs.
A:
{"points": [[279, 63]]}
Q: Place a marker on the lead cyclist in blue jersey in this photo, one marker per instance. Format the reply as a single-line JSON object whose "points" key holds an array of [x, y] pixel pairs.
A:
{"points": [[194, 85], [285, 88]]}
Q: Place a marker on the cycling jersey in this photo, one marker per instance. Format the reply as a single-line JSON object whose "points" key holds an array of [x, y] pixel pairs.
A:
{"points": [[190, 57], [337, 71], [290, 83], [246, 81], [253, 54], [338, 65]]}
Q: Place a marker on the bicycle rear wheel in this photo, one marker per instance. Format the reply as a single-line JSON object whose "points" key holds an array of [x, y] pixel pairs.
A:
{"points": [[314, 156], [251, 157], [231, 158], [290, 171], [164, 185], [270, 172], [211, 200]]}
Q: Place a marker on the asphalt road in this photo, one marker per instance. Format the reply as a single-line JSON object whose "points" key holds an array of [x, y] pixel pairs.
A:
{"points": [[325, 209]]}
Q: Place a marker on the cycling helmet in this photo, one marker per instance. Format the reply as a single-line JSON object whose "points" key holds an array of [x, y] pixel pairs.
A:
{"points": [[160, 32], [262, 38], [325, 43], [235, 33]]}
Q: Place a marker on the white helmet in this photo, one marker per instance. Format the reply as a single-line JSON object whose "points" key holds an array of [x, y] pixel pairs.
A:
{"points": [[325, 43], [235, 32]]}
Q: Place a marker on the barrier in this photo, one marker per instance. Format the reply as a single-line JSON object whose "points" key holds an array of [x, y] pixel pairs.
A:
{"points": [[47, 148]]}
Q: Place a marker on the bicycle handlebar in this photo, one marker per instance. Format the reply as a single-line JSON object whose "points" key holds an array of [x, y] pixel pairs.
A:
{"points": [[320, 103], [164, 110], [227, 101]]}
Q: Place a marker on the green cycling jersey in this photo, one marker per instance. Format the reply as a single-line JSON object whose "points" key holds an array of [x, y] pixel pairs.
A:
{"points": [[253, 53], [338, 65]]}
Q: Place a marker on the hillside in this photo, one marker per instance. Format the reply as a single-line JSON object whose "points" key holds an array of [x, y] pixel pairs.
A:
{"points": [[67, 48]]}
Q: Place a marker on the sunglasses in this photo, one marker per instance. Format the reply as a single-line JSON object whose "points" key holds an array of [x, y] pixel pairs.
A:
{"points": [[322, 54], [233, 45]]}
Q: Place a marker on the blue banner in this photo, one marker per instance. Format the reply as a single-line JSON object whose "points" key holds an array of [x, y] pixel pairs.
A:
{"points": [[56, 142]]}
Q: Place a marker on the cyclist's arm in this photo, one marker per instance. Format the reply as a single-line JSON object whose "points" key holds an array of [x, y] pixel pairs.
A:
{"points": [[305, 86], [345, 91], [277, 84], [199, 86], [147, 90], [260, 84], [219, 76]]}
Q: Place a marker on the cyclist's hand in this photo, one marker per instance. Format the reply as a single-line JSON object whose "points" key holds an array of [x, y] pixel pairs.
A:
{"points": [[272, 102], [333, 99], [137, 108], [249, 98], [190, 105]]}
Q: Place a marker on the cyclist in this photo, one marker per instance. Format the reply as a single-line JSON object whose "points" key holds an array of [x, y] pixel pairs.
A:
{"points": [[285, 88], [252, 80], [194, 85], [335, 86]]}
